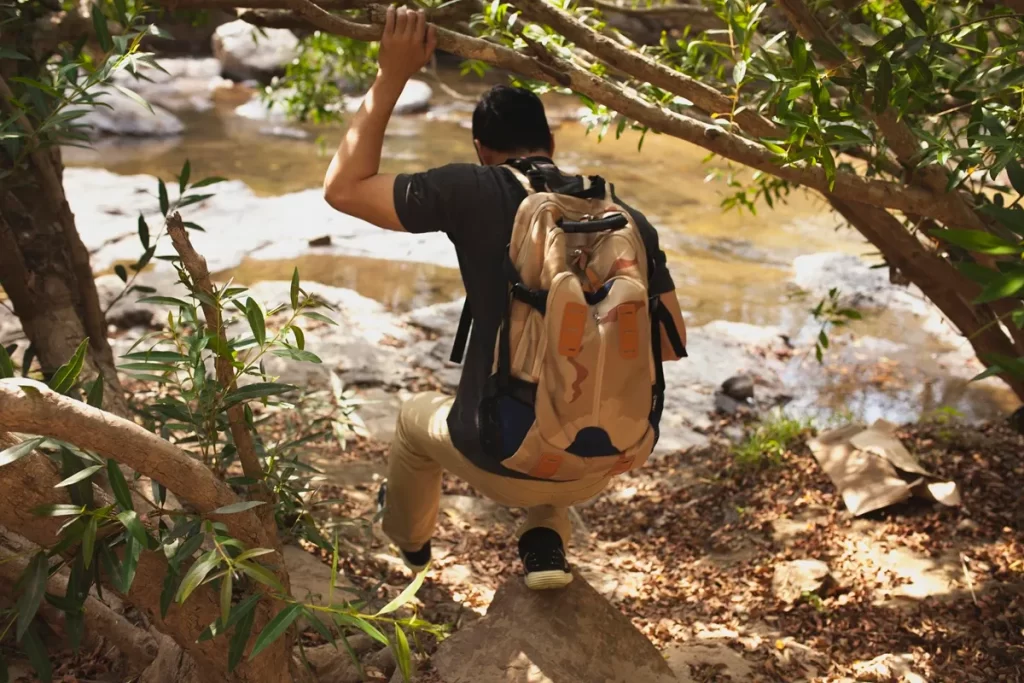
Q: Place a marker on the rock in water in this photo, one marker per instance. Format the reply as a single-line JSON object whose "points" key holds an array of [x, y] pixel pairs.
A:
{"points": [[122, 114], [244, 53], [739, 387], [568, 636], [795, 578], [414, 99], [180, 84]]}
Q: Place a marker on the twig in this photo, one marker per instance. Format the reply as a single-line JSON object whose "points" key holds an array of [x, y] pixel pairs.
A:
{"points": [[196, 266], [970, 581]]}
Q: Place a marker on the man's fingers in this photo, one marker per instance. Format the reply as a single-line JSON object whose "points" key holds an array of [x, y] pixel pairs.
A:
{"points": [[419, 26], [401, 21], [389, 21], [431, 39]]}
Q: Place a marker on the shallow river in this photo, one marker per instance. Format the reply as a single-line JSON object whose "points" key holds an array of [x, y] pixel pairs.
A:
{"points": [[729, 266]]}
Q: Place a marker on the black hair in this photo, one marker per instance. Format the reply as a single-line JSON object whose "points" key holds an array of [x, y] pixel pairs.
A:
{"points": [[508, 119]]}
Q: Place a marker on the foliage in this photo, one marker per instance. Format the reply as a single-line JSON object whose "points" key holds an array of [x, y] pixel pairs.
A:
{"points": [[770, 440], [831, 314], [189, 408]]}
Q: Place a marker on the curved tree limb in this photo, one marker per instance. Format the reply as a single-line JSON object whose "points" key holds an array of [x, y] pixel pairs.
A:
{"points": [[713, 138]]}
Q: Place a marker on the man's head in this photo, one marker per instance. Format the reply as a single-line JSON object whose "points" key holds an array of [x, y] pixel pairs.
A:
{"points": [[510, 122]]}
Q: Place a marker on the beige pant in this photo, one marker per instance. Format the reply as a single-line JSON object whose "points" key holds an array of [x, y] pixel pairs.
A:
{"points": [[422, 448]]}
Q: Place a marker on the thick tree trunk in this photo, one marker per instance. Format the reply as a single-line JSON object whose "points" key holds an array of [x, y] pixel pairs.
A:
{"points": [[45, 271]]}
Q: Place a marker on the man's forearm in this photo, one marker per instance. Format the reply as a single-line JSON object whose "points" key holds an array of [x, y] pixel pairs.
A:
{"points": [[358, 155]]}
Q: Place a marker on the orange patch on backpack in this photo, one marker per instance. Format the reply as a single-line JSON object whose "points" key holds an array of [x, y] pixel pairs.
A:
{"points": [[547, 466], [629, 332], [570, 335], [621, 264], [612, 316]]}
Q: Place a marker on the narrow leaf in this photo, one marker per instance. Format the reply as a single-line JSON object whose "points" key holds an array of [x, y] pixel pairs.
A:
{"points": [[275, 629], [1016, 173], [143, 232], [19, 451], [130, 563], [89, 541], [256, 322], [295, 289], [95, 397], [406, 595], [225, 596], [122, 494], [237, 507], [196, 574], [34, 648], [32, 589], [260, 574], [240, 638], [67, 374], [6, 364], [79, 476], [402, 653], [1005, 285], [883, 86], [99, 23], [915, 13], [122, 272], [254, 391], [186, 171], [165, 203], [208, 181], [130, 520], [363, 625], [58, 510], [300, 337], [319, 316], [298, 354], [975, 240]]}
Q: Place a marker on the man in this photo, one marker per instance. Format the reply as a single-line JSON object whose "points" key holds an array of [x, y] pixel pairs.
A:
{"points": [[476, 206]]}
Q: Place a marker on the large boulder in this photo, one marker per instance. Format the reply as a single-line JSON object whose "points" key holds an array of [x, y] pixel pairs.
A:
{"points": [[180, 84], [567, 636], [118, 113], [415, 98], [246, 53]]}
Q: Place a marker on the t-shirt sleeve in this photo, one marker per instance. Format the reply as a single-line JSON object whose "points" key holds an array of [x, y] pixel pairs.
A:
{"points": [[438, 200]]}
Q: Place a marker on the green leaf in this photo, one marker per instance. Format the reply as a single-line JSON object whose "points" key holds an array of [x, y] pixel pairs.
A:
{"points": [[95, 396], [1009, 218], [402, 653], [237, 613], [828, 50], [1004, 285], [845, 133], [1016, 173], [237, 507], [143, 232], [130, 563], [122, 12], [34, 648], [157, 356], [67, 374], [300, 337], [130, 520], [226, 585], [976, 240], [57, 510], [298, 354], [18, 451], [276, 628], [915, 13], [99, 24], [406, 595], [122, 494], [363, 625], [883, 86], [254, 552], [186, 171], [1018, 318], [196, 574], [188, 547], [295, 289], [319, 316], [260, 574], [165, 203], [122, 272], [6, 364], [254, 391], [8, 53], [32, 588], [256, 322], [89, 540], [240, 638], [79, 476], [208, 181], [823, 339]]}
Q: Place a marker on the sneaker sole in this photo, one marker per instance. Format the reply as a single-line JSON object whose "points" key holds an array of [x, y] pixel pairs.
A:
{"points": [[413, 568], [549, 580]]}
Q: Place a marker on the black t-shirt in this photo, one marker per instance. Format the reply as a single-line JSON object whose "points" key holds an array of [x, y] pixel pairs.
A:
{"points": [[476, 207]]}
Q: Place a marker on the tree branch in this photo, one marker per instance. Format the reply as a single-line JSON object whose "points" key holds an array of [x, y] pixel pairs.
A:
{"points": [[196, 267], [645, 69], [710, 137]]}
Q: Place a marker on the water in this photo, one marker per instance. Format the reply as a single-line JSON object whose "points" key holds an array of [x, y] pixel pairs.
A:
{"points": [[728, 266]]}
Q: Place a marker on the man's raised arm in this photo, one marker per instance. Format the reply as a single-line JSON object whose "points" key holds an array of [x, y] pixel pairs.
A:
{"points": [[354, 184]]}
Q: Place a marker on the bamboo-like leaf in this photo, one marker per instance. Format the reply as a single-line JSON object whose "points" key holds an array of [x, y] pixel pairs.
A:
{"points": [[276, 628], [254, 391], [1005, 285], [32, 588], [240, 638], [99, 24], [915, 13], [298, 354], [186, 171], [67, 374], [363, 625], [406, 595], [18, 451], [130, 520], [95, 396], [208, 181], [89, 541], [129, 563], [34, 648], [976, 240], [122, 272], [402, 653], [295, 289], [196, 574], [143, 232], [165, 203], [260, 574], [79, 476], [226, 585], [883, 86], [256, 322], [122, 494], [254, 552], [237, 507], [6, 364]]}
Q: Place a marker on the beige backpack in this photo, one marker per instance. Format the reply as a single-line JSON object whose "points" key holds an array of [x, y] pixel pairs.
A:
{"points": [[577, 386]]}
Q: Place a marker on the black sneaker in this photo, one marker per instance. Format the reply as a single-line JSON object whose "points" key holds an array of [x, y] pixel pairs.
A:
{"points": [[544, 560], [416, 561]]}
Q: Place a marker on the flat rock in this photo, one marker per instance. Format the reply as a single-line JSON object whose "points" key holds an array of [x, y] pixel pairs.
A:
{"points": [[121, 114], [247, 52], [888, 667], [795, 578], [180, 84], [311, 581], [567, 636], [730, 665]]}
